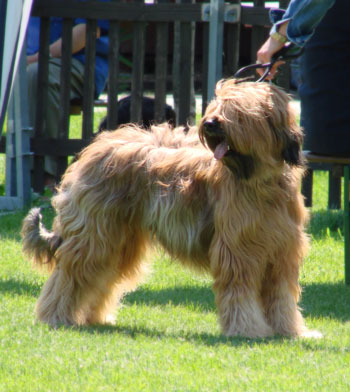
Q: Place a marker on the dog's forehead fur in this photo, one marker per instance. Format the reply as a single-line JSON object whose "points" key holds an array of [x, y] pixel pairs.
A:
{"points": [[255, 100], [261, 107]]}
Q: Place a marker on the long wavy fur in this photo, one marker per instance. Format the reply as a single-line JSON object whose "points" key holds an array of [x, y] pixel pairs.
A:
{"points": [[233, 210]]}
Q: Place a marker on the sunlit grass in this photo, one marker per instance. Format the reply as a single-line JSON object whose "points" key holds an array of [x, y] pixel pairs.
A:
{"points": [[167, 337]]}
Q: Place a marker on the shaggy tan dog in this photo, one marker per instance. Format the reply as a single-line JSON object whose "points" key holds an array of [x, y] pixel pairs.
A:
{"points": [[233, 209]]}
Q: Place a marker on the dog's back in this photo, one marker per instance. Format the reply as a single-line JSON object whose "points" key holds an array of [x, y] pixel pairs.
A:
{"points": [[132, 174]]}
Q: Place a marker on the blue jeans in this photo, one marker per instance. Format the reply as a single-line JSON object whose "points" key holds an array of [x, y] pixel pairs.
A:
{"points": [[53, 104], [325, 84]]}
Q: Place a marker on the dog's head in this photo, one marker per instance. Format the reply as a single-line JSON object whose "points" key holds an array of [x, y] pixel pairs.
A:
{"points": [[251, 128]]}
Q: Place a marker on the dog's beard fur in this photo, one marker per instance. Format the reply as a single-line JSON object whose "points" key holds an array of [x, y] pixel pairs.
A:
{"points": [[239, 216]]}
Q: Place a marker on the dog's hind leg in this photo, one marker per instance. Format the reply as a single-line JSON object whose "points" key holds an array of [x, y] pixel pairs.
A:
{"points": [[126, 272], [89, 280]]}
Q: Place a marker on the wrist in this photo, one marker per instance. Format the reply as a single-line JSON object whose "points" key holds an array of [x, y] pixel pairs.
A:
{"points": [[279, 33]]}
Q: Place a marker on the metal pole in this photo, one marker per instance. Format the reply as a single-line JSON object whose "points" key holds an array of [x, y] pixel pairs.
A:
{"points": [[17, 185], [216, 31], [346, 225]]}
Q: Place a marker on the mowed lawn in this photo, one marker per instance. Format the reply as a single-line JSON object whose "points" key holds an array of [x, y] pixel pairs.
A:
{"points": [[167, 336]]}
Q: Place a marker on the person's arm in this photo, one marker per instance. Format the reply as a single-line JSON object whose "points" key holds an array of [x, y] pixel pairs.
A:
{"points": [[304, 16], [78, 43], [271, 46], [296, 24]]}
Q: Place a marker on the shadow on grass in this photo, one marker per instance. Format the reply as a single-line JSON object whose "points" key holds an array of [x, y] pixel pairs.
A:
{"points": [[318, 299], [326, 300], [211, 340], [326, 222], [197, 338], [17, 287], [199, 297]]}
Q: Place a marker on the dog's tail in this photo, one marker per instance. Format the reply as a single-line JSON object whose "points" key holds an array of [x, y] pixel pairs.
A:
{"points": [[39, 243]]}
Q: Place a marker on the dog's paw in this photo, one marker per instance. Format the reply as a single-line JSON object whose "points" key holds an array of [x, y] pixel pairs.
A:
{"points": [[111, 319], [311, 334]]}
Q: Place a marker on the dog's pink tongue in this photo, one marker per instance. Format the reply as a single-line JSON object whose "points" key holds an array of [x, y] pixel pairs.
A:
{"points": [[220, 150]]}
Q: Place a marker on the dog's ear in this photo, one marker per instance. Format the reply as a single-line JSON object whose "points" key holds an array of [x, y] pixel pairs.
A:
{"points": [[292, 153]]}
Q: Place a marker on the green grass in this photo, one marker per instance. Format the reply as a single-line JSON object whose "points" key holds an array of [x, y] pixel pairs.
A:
{"points": [[167, 337]]}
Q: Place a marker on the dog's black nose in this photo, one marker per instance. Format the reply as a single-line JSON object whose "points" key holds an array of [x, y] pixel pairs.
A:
{"points": [[211, 126]]}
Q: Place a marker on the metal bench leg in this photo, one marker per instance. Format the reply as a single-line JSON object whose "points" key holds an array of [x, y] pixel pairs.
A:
{"points": [[347, 225]]}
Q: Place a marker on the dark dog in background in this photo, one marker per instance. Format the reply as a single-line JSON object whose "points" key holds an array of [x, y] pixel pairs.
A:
{"points": [[147, 120]]}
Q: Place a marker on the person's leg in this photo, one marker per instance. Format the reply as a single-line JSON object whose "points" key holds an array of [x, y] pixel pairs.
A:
{"points": [[53, 107], [53, 103]]}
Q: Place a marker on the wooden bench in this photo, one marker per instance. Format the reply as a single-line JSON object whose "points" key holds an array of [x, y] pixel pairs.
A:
{"points": [[338, 167]]}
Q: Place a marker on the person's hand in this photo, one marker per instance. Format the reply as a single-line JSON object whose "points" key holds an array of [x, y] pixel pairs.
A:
{"points": [[269, 48], [33, 58]]}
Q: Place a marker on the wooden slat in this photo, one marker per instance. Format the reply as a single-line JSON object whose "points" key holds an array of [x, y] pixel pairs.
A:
{"points": [[315, 158], [131, 11], [57, 147], [113, 72], [205, 64], [233, 44], [186, 46], [138, 61], [65, 87], [89, 78], [42, 99], [43, 75], [65, 78], [163, 12], [306, 187], [54, 147], [284, 4], [161, 71], [255, 16], [259, 33]]}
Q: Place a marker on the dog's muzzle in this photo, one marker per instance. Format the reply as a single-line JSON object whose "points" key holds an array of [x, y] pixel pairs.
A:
{"points": [[215, 138]]}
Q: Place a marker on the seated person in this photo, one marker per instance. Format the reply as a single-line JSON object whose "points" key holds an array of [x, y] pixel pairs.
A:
{"points": [[55, 62]]}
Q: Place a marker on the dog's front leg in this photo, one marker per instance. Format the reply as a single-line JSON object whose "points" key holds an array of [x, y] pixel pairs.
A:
{"points": [[236, 287], [280, 294]]}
